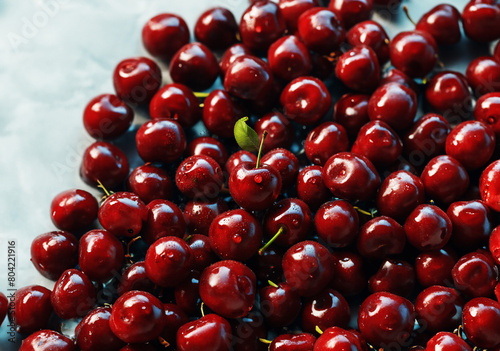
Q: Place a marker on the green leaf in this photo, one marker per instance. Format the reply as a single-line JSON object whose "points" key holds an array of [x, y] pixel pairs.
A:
{"points": [[245, 136]]}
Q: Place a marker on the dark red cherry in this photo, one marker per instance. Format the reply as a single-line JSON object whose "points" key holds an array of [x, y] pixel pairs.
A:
{"points": [[446, 341], [394, 75], [208, 146], [483, 74], [4, 306], [231, 54], [494, 246], [178, 102], [137, 317], [136, 80], [489, 185], [235, 235], [107, 117], [187, 295], [123, 214], [94, 331], [289, 58], [471, 223], [380, 237], [161, 140], [311, 188], [164, 34], [428, 228], [164, 219], [210, 333], [350, 176], [292, 9], [199, 214], [352, 12], [296, 342], [337, 223], [216, 28], [348, 275], [386, 319], [307, 267], [445, 179], [238, 158], [74, 295], [202, 251], [327, 309], [31, 309], [387, 4], [150, 183], [268, 264], [228, 288], [280, 132], [279, 304], [447, 92], [496, 52], [475, 275], [104, 162], [248, 332], [372, 34], [321, 30], [480, 20], [168, 261], [394, 104], [443, 23], [286, 163], [487, 110], [135, 278], [248, 77], [434, 267], [335, 338], [73, 209], [220, 113], [351, 111], [199, 177], [359, 69], [47, 340], [261, 24], [54, 252], [394, 276], [481, 317], [175, 319], [439, 308]]}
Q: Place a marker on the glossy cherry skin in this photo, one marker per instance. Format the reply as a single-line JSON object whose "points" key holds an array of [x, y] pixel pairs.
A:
{"points": [[94, 331], [311, 188], [73, 209], [489, 185], [321, 30], [350, 176], [4, 306], [199, 215], [199, 177], [494, 246], [439, 308], [372, 34], [31, 309], [104, 162], [160, 140], [307, 267], [74, 295], [164, 218], [394, 276], [475, 275], [47, 340], [380, 237], [445, 179], [327, 309], [137, 317], [254, 188], [235, 235], [305, 100], [123, 214], [480, 20], [164, 34], [352, 12], [351, 111], [228, 288], [150, 183], [443, 23], [414, 53], [187, 296], [168, 261], [208, 146], [231, 54], [136, 80], [480, 320], [248, 77], [448, 90], [348, 276], [428, 228], [211, 333], [292, 9], [394, 104], [386, 319], [54, 252], [483, 74], [194, 65], [487, 110], [268, 264], [335, 338], [107, 117], [220, 113], [337, 223], [445, 341], [471, 223], [434, 267], [297, 342], [359, 69], [289, 58], [280, 132], [394, 75], [280, 305], [216, 28], [178, 102], [286, 163], [202, 251], [174, 319], [135, 278], [239, 157]]}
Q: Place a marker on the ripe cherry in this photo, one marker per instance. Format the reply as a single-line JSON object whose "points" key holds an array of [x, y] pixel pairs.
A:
{"points": [[187, 296], [74, 295], [471, 223], [292, 9], [481, 317], [47, 340], [445, 341], [216, 28], [208, 146], [311, 188], [480, 19], [220, 113], [448, 92], [394, 276], [248, 332], [199, 177], [336, 338], [150, 183], [107, 117], [352, 12], [297, 342], [286, 163], [123, 214], [280, 132], [487, 110], [439, 308], [327, 309], [394, 75], [428, 228], [160, 140], [210, 333], [199, 214], [31, 309], [372, 34], [434, 267], [289, 58], [248, 77], [231, 54], [359, 69], [94, 331], [348, 276], [73, 209], [351, 111], [164, 219], [483, 74], [279, 304], [443, 23], [475, 275], [135, 278], [380, 237], [489, 185], [164, 34], [174, 319], [494, 245], [337, 223], [239, 157]]}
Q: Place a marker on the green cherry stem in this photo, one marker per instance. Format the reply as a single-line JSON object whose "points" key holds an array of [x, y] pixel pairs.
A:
{"points": [[265, 341], [264, 134], [100, 185], [407, 12], [273, 284], [318, 330], [280, 231], [200, 95]]}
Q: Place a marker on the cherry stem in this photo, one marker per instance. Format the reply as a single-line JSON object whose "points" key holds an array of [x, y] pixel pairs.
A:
{"points": [[186, 239], [372, 213], [407, 12], [128, 255], [318, 330], [201, 308], [280, 231], [265, 341], [264, 134], [200, 95], [273, 284], [164, 342], [108, 194]]}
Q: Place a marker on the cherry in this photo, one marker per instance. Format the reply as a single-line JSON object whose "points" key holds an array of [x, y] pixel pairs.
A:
{"points": [[372, 34], [471, 223], [310, 187], [178, 102], [386, 319], [74, 295], [359, 69], [168, 261], [480, 19], [321, 30], [4, 305], [228, 288], [394, 104], [475, 275], [31, 309], [47, 340], [394, 276], [150, 183], [199, 177], [327, 309], [428, 228], [296, 342], [380, 237], [208, 146], [187, 296], [483, 74], [292, 9], [337, 223], [199, 215], [261, 24], [235, 235], [104, 162], [160, 140], [268, 264], [280, 132], [494, 245], [348, 275], [220, 113], [123, 214], [279, 304], [195, 66], [480, 320], [307, 267], [335, 338], [388, 4], [443, 23], [350, 176], [94, 331], [254, 188], [496, 52], [107, 117], [448, 90], [164, 34], [216, 28], [248, 77], [238, 158], [137, 317], [248, 332], [54, 252], [352, 12], [487, 110], [439, 308], [175, 318], [286, 163], [73, 209], [135, 278], [351, 111], [164, 218], [211, 333], [445, 341], [202, 251], [396, 76], [231, 54], [489, 186], [136, 80], [434, 267], [289, 58]]}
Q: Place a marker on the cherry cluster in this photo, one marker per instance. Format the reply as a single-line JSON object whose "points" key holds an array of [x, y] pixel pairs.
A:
{"points": [[340, 221]]}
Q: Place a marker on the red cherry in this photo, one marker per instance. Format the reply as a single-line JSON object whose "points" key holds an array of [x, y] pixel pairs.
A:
{"points": [[238, 158], [279, 304], [289, 58], [210, 333], [439, 308], [327, 309], [248, 332], [135, 278], [94, 331], [351, 111], [483, 74], [496, 52], [150, 183], [336, 338], [428, 228], [380, 237], [480, 20], [434, 267], [47, 340], [199, 177], [161, 140], [394, 276], [494, 245], [310, 187], [471, 223], [248, 77], [348, 275], [359, 69], [444, 341], [449, 90], [475, 275], [443, 23], [220, 113], [396, 76], [199, 215], [216, 28], [286, 163], [164, 34], [268, 264], [352, 12], [187, 295], [73, 209], [74, 295], [292, 9], [107, 117], [481, 317], [123, 214], [202, 251], [489, 185], [31, 309], [231, 54], [487, 110], [372, 34], [208, 146], [4, 305], [280, 132], [337, 223], [175, 319], [164, 219], [296, 342]]}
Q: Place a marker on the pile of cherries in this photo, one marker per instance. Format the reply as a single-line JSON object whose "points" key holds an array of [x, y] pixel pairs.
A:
{"points": [[365, 227]]}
